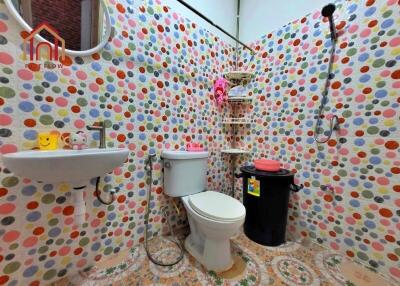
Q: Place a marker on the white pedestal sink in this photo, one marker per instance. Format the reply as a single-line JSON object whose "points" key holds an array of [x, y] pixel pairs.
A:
{"points": [[76, 167]]}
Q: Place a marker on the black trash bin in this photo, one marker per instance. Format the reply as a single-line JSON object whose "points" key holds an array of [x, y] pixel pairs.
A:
{"points": [[266, 199]]}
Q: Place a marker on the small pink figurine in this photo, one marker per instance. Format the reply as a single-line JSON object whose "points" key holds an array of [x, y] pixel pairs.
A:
{"points": [[220, 86], [78, 140]]}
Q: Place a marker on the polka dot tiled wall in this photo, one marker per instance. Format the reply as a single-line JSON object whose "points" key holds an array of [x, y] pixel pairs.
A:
{"points": [[359, 212], [151, 85]]}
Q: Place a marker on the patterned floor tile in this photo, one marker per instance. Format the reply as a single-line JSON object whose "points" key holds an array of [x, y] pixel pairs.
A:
{"points": [[291, 264]]}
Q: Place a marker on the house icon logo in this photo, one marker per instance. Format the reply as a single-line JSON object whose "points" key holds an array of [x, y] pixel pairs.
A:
{"points": [[52, 50]]}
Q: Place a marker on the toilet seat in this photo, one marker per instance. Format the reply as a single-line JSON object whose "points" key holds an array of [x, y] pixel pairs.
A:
{"points": [[217, 206]]}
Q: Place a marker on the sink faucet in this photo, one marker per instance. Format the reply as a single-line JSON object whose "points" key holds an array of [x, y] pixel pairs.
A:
{"points": [[100, 126]]}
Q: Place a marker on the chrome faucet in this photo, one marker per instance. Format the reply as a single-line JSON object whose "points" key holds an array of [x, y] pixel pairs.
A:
{"points": [[100, 126]]}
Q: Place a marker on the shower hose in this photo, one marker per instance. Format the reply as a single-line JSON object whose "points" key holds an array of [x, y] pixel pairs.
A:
{"points": [[334, 121], [146, 222]]}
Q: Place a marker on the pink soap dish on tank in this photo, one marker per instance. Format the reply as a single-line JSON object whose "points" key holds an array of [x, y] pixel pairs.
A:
{"points": [[267, 165], [194, 147]]}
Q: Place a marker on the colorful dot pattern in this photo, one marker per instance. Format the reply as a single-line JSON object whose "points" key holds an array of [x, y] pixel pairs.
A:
{"points": [[152, 85], [361, 164]]}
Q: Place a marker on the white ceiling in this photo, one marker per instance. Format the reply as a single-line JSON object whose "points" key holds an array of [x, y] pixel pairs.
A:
{"points": [[257, 17]]}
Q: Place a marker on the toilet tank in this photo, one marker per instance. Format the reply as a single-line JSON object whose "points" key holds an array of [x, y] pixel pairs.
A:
{"points": [[184, 172]]}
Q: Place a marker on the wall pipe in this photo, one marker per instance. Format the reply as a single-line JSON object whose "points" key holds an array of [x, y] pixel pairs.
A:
{"points": [[215, 25]]}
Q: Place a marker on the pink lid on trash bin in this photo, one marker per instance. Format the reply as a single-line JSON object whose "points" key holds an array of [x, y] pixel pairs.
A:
{"points": [[267, 165]]}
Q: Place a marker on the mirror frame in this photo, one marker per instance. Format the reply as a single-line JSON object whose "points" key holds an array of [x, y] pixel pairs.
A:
{"points": [[89, 52]]}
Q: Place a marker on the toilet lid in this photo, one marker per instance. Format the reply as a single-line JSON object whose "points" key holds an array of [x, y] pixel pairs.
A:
{"points": [[217, 206]]}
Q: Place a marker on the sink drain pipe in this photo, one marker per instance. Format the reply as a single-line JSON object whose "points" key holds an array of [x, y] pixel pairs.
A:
{"points": [[79, 200], [149, 168], [79, 204]]}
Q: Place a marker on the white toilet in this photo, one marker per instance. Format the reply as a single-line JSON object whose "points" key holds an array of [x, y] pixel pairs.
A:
{"points": [[213, 217]]}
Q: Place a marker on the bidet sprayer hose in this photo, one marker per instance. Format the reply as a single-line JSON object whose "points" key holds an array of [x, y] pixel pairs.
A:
{"points": [[164, 211]]}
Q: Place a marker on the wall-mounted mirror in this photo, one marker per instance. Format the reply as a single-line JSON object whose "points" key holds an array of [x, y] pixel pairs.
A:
{"points": [[84, 26]]}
